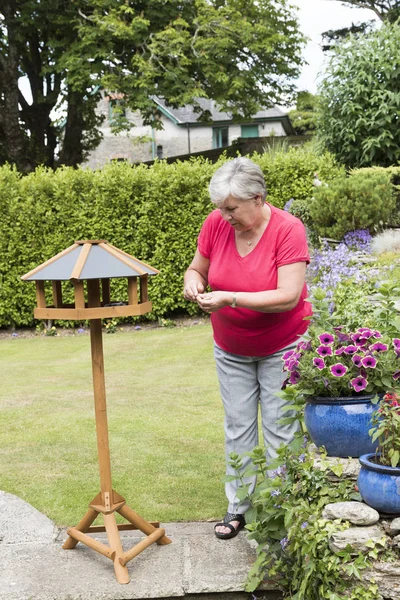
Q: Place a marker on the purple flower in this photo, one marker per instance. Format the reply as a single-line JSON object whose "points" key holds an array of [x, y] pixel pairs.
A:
{"points": [[291, 364], [378, 347], [350, 349], [288, 204], [369, 362], [356, 359], [294, 377], [396, 375], [324, 350], [288, 354], [275, 493], [366, 331], [80, 330], [304, 525], [343, 337], [339, 351], [358, 338], [377, 334], [303, 346], [359, 383], [338, 370], [284, 542], [326, 338], [396, 343], [137, 328], [14, 334], [302, 458], [319, 363]]}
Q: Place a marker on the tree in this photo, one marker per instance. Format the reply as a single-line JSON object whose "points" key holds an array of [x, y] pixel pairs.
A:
{"points": [[241, 53], [360, 99], [385, 10], [304, 117]]}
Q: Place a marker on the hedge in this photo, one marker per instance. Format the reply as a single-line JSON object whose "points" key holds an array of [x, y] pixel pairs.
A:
{"points": [[154, 213]]}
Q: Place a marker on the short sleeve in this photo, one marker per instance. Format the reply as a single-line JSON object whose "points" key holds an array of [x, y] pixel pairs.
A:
{"points": [[206, 238], [292, 244]]}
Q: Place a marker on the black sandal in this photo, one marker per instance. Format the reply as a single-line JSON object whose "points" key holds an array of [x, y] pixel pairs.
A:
{"points": [[227, 523]]}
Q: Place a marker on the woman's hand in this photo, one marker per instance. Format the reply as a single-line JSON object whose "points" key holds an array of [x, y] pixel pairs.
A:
{"points": [[192, 289], [213, 301]]}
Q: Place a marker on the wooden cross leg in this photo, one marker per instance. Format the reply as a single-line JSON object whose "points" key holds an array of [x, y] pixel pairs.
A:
{"points": [[114, 551]]}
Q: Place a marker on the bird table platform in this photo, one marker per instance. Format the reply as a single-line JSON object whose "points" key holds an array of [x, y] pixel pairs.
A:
{"points": [[95, 262]]}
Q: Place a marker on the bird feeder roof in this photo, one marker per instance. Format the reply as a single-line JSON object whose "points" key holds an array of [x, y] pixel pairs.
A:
{"points": [[89, 259]]}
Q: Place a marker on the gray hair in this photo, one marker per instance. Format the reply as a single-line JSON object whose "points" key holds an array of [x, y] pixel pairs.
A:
{"points": [[240, 178]]}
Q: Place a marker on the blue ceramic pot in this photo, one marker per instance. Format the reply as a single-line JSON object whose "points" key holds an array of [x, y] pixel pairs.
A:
{"points": [[379, 485], [341, 424]]}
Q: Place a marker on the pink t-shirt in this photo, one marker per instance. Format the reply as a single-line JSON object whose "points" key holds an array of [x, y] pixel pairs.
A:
{"points": [[241, 330]]}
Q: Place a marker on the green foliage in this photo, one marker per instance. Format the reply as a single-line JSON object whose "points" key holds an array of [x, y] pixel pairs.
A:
{"points": [[154, 213], [386, 429], [360, 99], [362, 201], [289, 173], [394, 174], [285, 520], [304, 116], [236, 52], [335, 362]]}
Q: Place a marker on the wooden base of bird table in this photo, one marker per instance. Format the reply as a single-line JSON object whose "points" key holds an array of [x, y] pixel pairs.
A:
{"points": [[114, 550], [108, 502]]}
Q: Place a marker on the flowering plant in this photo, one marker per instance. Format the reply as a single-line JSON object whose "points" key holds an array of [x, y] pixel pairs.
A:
{"points": [[331, 361], [386, 429]]}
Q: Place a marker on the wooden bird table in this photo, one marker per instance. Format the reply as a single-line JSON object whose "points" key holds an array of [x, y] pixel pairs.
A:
{"points": [[96, 261]]}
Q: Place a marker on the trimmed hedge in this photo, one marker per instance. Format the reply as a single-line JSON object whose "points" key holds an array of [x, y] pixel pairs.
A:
{"points": [[154, 213]]}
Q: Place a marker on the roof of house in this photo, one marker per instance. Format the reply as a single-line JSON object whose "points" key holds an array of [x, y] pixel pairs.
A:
{"points": [[187, 115]]}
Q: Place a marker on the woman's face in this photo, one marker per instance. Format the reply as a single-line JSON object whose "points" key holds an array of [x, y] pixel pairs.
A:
{"points": [[242, 214]]}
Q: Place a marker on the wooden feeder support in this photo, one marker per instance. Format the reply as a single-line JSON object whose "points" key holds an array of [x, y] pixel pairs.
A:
{"points": [[96, 262]]}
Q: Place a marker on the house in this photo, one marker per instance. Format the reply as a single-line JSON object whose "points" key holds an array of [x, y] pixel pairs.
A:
{"points": [[181, 133]]}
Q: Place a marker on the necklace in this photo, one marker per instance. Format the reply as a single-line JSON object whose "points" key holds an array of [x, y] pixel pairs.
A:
{"points": [[249, 242]]}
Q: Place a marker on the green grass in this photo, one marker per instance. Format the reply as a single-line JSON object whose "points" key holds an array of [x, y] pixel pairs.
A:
{"points": [[164, 415]]}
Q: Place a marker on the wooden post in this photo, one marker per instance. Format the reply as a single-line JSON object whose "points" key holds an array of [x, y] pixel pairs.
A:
{"points": [[57, 294], [132, 290], [82, 526], [40, 296], [79, 294], [144, 296], [99, 388], [105, 291]]}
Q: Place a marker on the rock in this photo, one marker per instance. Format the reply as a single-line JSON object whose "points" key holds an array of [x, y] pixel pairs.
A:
{"points": [[357, 538], [387, 577], [394, 526], [351, 466], [357, 513]]}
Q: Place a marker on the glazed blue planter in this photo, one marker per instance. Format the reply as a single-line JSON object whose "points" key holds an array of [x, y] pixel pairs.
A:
{"points": [[379, 485], [341, 424]]}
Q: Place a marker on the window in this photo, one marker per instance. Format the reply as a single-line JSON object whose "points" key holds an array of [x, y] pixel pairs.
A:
{"points": [[220, 137], [159, 152], [249, 131]]}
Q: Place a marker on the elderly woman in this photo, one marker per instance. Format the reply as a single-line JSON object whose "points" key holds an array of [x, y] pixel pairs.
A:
{"points": [[253, 256]]}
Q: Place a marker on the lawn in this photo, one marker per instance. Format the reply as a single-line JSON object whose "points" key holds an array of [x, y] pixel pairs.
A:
{"points": [[164, 414]]}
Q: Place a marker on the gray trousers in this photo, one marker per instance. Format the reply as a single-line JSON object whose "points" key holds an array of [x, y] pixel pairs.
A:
{"points": [[245, 382]]}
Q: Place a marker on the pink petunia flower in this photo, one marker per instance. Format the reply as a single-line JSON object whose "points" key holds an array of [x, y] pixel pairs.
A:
{"points": [[356, 359], [319, 363], [378, 347], [350, 349], [338, 370], [326, 339], [324, 351], [369, 362], [359, 383]]}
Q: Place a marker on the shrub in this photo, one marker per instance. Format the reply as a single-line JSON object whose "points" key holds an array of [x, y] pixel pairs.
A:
{"points": [[361, 201], [154, 213]]}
